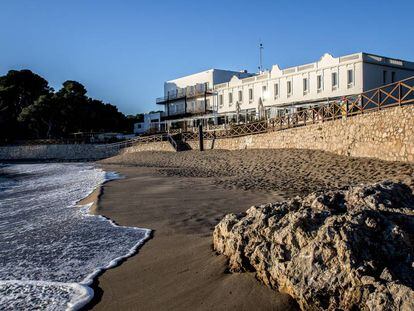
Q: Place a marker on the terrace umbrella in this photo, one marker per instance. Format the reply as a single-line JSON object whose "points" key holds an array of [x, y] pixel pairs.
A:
{"points": [[260, 109]]}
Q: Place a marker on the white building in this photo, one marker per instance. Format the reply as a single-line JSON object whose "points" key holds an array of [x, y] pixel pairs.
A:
{"points": [[327, 79], [152, 122], [192, 95]]}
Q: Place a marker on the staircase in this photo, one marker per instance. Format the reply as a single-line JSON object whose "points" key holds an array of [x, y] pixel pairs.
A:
{"points": [[178, 143]]}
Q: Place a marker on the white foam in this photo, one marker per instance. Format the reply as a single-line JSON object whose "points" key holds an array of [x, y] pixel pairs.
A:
{"points": [[43, 295], [51, 249]]}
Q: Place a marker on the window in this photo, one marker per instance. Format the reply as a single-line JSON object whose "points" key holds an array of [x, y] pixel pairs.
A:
{"points": [[230, 98], [276, 90], [392, 76], [240, 96], [220, 100], [334, 80], [289, 88], [350, 76], [250, 95], [319, 85], [264, 92], [305, 85], [384, 77]]}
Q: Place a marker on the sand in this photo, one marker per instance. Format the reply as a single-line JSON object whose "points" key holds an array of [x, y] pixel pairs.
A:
{"points": [[177, 269], [287, 171], [181, 196]]}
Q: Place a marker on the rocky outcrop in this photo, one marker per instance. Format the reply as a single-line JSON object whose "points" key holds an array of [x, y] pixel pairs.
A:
{"points": [[346, 249]]}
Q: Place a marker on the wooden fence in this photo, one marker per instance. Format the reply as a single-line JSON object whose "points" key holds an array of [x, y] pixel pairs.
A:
{"points": [[395, 94], [135, 141]]}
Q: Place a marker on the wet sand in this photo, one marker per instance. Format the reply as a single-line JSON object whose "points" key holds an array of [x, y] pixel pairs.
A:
{"points": [[182, 196], [177, 269]]}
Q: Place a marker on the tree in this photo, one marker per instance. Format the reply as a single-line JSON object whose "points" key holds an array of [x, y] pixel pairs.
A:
{"points": [[42, 116], [23, 87], [18, 89], [30, 108], [73, 88]]}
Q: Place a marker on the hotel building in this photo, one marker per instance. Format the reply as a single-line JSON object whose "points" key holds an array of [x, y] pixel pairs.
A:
{"points": [[330, 78], [219, 96]]}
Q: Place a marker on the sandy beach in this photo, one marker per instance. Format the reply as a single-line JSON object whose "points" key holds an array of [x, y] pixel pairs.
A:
{"points": [[177, 269], [182, 196]]}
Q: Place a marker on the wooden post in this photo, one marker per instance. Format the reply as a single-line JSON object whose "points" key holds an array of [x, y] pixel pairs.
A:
{"points": [[379, 99], [346, 107], [200, 137], [399, 93]]}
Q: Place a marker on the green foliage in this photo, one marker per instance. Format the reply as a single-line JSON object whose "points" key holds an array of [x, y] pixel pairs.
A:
{"points": [[42, 116], [18, 89], [29, 108]]}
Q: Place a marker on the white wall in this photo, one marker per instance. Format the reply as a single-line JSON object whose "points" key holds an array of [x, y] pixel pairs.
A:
{"points": [[150, 120], [212, 77], [191, 80], [374, 67], [365, 76], [324, 67]]}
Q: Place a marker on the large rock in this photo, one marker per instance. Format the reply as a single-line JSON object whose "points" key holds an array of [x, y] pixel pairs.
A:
{"points": [[346, 249]]}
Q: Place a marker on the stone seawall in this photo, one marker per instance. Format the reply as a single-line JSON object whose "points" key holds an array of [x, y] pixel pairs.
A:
{"points": [[73, 152], [387, 134], [155, 146], [70, 152]]}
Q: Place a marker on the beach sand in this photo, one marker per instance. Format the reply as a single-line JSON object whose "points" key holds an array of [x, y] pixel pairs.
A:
{"points": [[287, 171], [182, 196], [177, 269]]}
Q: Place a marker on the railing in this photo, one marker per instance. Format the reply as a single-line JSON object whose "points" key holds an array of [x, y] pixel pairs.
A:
{"points": [[135, 141], [172, 141], [395, 94], [230, 131], [191, 91]]}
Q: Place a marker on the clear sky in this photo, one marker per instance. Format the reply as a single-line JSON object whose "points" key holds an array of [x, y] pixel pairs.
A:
{"points": [[123, 51]]}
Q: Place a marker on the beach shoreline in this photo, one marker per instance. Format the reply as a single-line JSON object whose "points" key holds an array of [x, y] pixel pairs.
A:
{"points": [[182, 196], [178, 265]]}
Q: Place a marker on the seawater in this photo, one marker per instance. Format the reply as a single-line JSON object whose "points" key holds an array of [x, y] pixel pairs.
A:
{"points": [[50, 248]]}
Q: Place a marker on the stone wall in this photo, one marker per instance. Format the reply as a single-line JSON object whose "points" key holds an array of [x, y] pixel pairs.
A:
{"points": [[386, 134], [155, 146], [70, 152]]}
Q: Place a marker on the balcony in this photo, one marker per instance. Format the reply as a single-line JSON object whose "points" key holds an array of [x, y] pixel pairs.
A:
{"points": [[189, 92]]}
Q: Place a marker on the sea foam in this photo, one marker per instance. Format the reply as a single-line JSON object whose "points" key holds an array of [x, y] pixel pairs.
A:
{"points": [[51, 249]]}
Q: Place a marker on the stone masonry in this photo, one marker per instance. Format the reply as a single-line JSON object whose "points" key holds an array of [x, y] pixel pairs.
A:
{"points": [[387, 134]]}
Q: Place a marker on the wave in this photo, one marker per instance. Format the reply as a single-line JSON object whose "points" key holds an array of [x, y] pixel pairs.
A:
{"points": [[53, 249]]}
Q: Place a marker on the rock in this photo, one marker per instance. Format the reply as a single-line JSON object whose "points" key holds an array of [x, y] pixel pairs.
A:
{"points": [[345, 249]]}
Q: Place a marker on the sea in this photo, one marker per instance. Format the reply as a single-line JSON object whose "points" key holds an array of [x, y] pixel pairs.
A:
{"points": [[51, 248]]}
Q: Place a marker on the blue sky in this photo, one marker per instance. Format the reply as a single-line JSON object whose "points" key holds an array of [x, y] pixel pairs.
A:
{"points": [[123, 51]]}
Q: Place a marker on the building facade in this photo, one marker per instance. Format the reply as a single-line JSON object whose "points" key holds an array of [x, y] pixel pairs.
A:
{"points": [[152, 123], [193, 94], [220, 96], [330, 78]]}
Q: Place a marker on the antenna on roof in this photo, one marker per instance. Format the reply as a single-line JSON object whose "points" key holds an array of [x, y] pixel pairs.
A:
{"points": [[261, 57]]}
